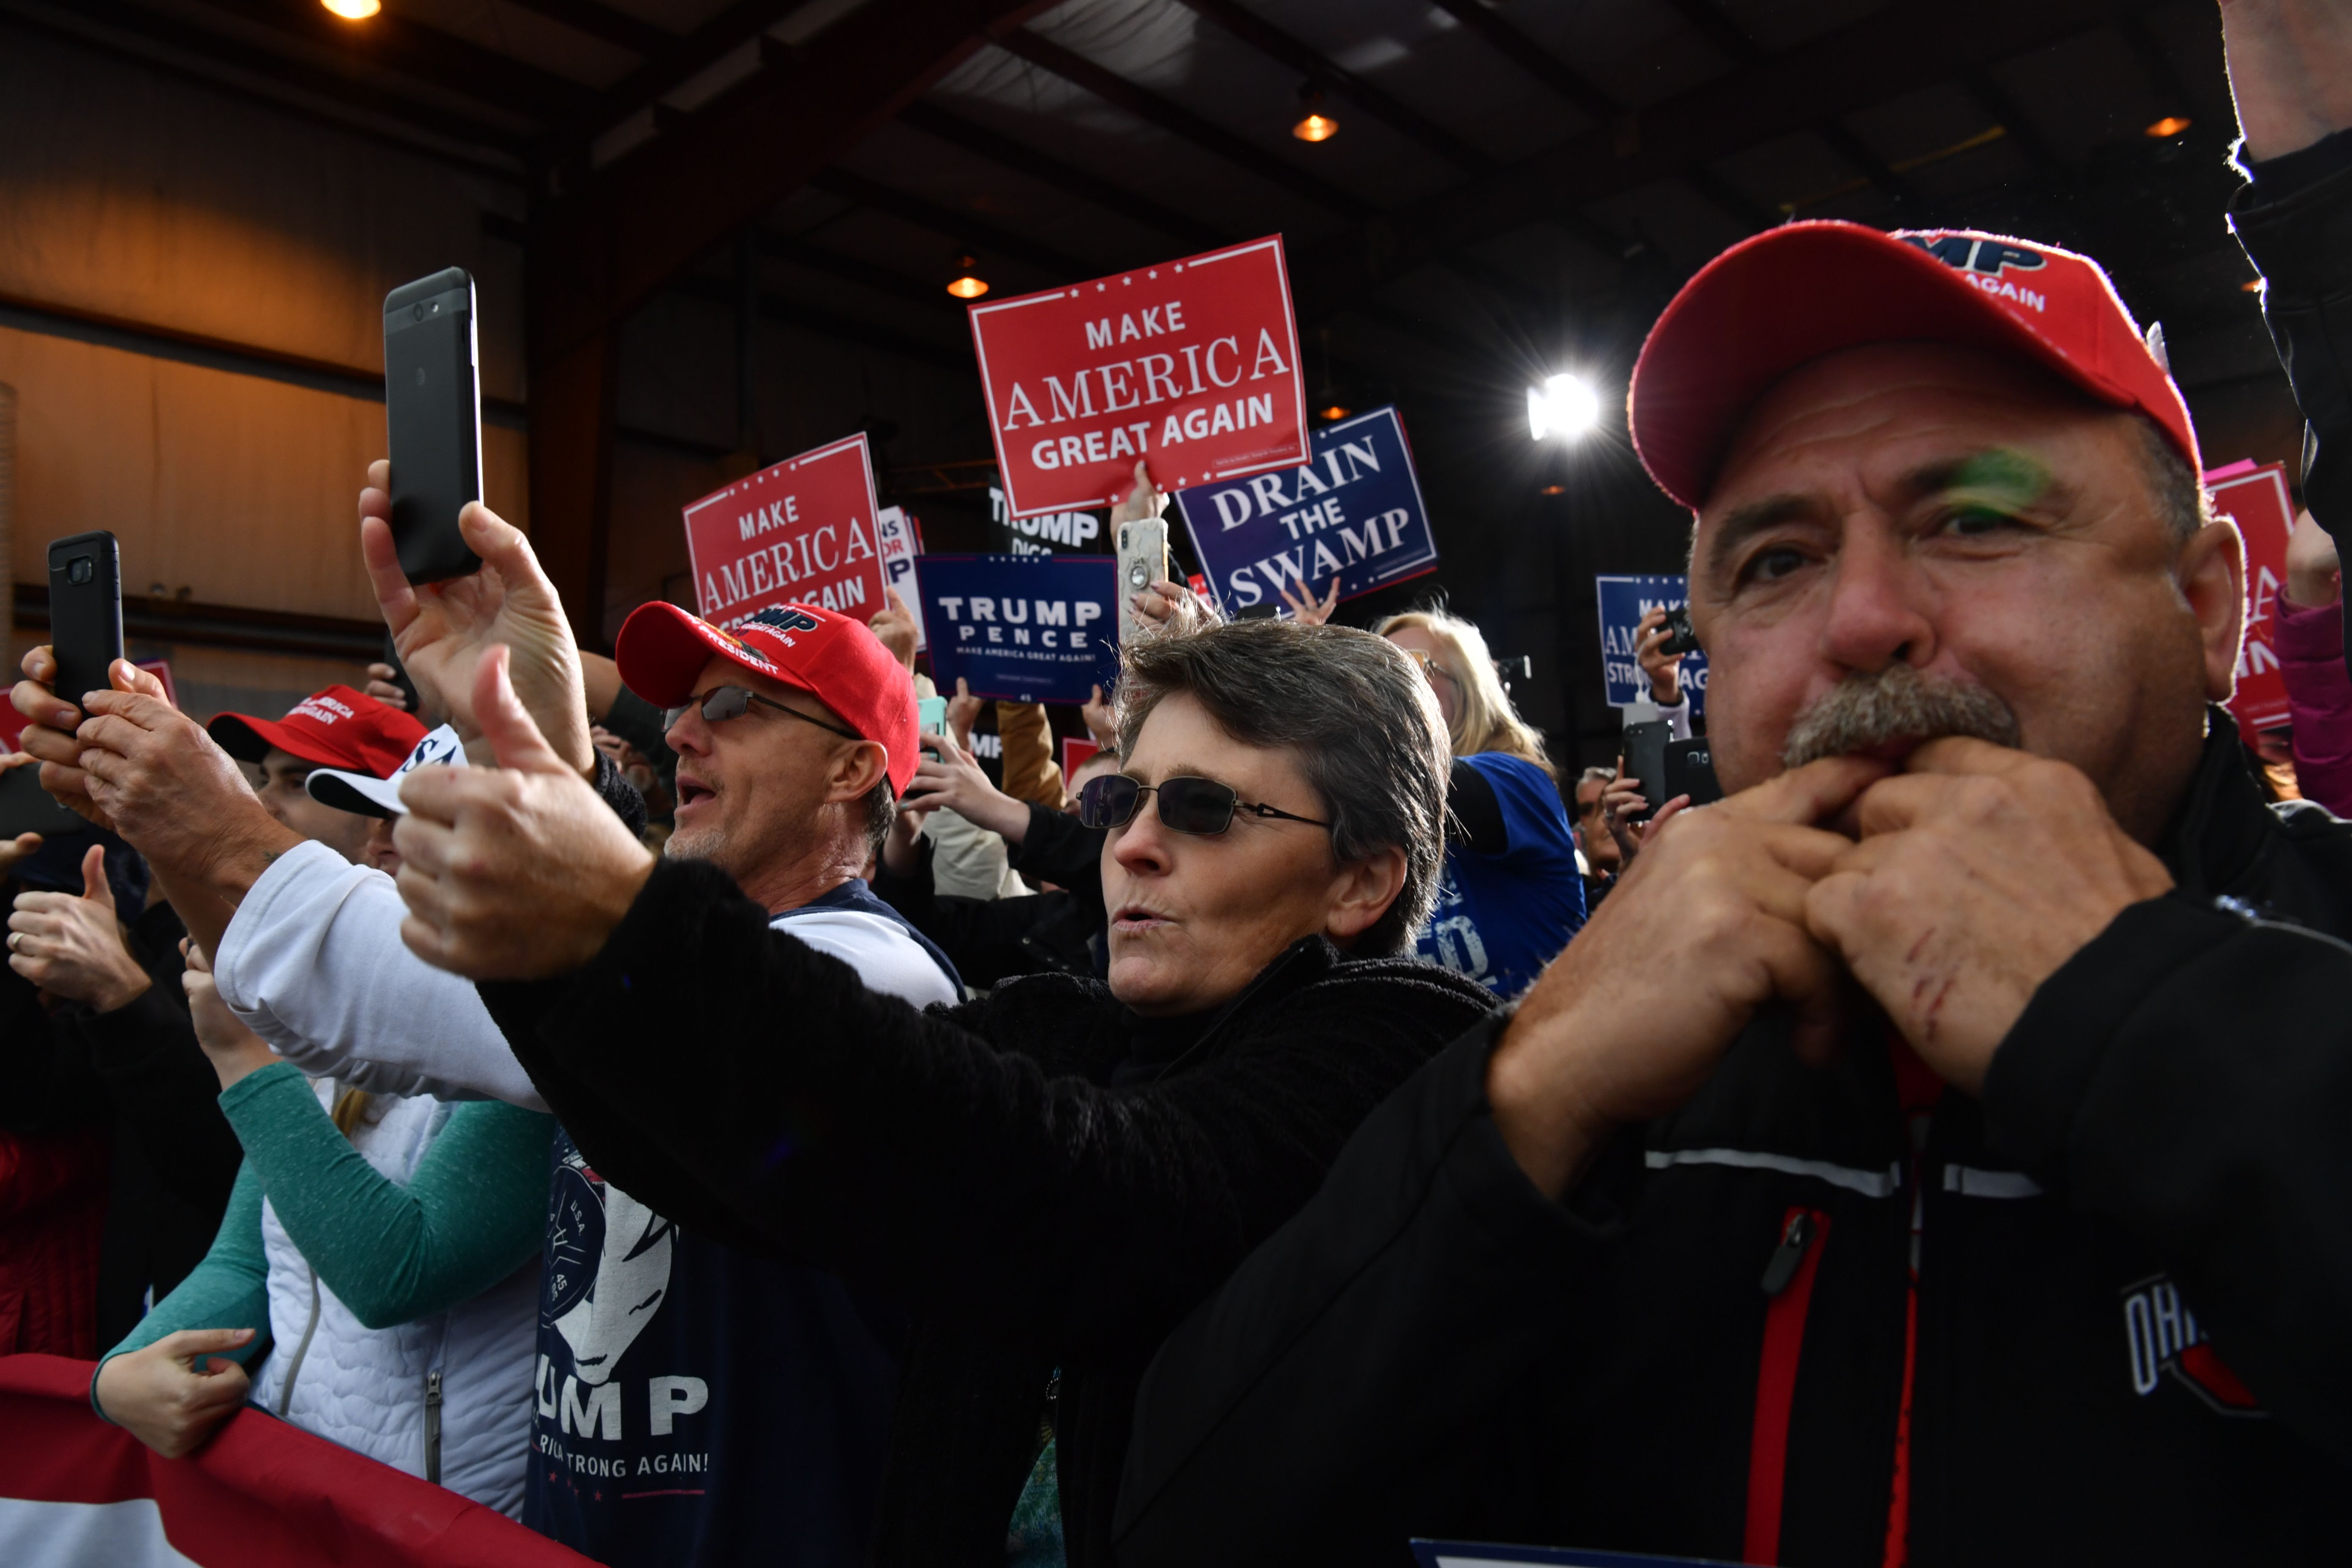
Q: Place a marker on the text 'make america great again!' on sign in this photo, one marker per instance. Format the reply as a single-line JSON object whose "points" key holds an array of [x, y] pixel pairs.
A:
{"points": [[1191, 365], [802, 531]]}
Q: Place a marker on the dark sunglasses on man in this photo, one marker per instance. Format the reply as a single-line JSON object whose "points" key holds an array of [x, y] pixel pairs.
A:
{"points": [[721, 703], [1200, 806]]}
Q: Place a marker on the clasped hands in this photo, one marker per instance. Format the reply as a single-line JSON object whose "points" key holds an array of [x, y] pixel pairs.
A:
{"points": [[1948, 892]]}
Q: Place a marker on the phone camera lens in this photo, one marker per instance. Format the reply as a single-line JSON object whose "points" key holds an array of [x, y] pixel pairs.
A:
{"points": [[417, 312], [80, 569]]}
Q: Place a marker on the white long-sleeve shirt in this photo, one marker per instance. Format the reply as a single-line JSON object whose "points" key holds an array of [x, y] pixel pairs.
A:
{"points": [[313, 963]]}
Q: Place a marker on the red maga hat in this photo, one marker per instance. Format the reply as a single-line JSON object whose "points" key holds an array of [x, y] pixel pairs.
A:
{"points": [[337, 728], [662, 650], [1794, 293]]}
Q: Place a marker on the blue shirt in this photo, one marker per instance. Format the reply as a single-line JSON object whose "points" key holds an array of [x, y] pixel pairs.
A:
{"points": [[1501, 917]]}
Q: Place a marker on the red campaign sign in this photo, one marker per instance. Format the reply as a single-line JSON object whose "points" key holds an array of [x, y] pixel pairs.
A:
{"points": [[2256, 500], [802, 531], [1191, 365]]}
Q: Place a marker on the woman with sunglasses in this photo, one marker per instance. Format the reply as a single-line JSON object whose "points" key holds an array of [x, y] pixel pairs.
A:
{"points": [[1512, 894], [1049, 1177]]}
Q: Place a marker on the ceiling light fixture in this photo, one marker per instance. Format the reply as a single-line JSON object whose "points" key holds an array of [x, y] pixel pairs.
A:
{"points": [[1313, 124], [1563, 407], [2170, 125], [967, 286], [353, 10], [1333, 414]]}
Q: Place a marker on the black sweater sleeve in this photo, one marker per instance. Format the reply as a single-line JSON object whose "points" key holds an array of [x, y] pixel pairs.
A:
{"points": [[2187, 1076], [1473, 817], [1300, 1414], [166, 1091], [1060, 849], [982, 937], [907, 1151]]}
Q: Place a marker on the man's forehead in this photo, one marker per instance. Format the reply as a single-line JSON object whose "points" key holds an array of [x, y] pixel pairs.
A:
{"points": [[717, 672]]}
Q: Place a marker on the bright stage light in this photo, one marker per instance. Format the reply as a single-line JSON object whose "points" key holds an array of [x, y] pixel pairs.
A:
{"points": [[1562, 405]]}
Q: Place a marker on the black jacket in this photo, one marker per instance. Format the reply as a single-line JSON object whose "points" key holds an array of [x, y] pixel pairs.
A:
{"points": [[1431, 1348], [1043, 1179], [2295, 219], [989, 940], [140, 1071]]}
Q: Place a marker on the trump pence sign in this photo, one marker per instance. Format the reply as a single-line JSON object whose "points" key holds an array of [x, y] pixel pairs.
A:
{"points": [[803, 532], [1191, 365]]}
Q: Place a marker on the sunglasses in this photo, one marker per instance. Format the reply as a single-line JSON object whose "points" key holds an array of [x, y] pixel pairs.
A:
{"points": [[724, 702], [1201, 806], [1430, 667]]}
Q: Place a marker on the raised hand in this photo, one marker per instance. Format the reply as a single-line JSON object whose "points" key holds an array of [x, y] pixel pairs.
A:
{"points": [[952, 777], [1101, 723], [963, 712], [1304, 608], [517, 872], [1145, 500], [232, 1048], [72, 947], [444, 630], [2290, 70], [894, 625]]}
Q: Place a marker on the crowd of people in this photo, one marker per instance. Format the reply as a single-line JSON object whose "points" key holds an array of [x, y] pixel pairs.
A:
{"points": [[682, 1102]]}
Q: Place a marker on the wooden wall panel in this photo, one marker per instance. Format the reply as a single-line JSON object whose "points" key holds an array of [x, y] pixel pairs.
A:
{"points": [[240, 489], [148, 196]]}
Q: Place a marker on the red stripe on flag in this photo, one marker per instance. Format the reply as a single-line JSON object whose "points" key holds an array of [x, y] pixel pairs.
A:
{"points": [[260, 1492]]}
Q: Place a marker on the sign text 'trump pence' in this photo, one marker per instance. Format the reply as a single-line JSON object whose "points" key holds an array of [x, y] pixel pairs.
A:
{"points": [[802, 531], [1025, 628], [1191, 365]]}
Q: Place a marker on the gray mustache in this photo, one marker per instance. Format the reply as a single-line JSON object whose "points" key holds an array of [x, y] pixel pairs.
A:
{"points": [[1896, 704]]}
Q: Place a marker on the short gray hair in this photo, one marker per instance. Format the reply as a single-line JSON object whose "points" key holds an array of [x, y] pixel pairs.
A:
{"points": [[1364, 721], [2183, 504]]}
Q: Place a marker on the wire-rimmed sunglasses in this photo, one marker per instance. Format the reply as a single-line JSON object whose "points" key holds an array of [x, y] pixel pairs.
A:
{"points": [[1200, 806], [721, 703], [1430, 667]]}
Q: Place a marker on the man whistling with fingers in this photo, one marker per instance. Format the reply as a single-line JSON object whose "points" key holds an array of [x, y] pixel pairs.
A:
{"points": [[1937, 1141]]}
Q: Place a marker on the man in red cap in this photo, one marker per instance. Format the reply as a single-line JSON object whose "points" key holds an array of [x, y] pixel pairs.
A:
{"points": [[1933, 1151], [338, 728]]}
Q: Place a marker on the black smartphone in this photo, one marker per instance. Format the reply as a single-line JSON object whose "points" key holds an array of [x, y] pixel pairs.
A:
{"points": [[1690, 770], [433, 412], [1644, 752], [85, 613], [399, 672], [1680, 638], [27, 807]]}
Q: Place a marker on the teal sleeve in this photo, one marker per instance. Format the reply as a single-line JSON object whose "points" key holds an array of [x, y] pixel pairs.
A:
{"points": [[229, 1290], [474, 1213]]}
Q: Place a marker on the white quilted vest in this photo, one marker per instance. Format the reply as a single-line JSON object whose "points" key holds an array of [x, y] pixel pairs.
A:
{"points": [[445, 1397]]}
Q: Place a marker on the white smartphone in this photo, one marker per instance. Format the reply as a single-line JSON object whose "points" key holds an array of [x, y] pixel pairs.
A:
{"points": [[1142, 561]]}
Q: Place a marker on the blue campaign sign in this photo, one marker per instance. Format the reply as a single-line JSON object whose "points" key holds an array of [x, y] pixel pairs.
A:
{"points": [[1355, 511], [1025, 628], [1623, 602]]}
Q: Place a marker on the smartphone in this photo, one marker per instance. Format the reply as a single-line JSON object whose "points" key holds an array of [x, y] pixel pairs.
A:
{"points": [[1680, 638], [1142, 561], [931, 715], [1646, 759], [433, 412], [85, 613], [27, 807], [400, 672], [1690, 770]]}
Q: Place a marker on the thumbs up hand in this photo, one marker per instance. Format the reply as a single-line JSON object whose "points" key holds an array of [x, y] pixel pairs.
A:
{"points": [[71, 947], [515, 873]]}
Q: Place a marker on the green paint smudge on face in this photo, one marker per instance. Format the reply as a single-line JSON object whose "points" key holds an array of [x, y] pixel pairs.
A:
{"points": [[2001, 478]]}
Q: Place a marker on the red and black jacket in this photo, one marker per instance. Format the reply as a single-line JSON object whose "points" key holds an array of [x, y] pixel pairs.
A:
{"points": [[1839, 1316]]}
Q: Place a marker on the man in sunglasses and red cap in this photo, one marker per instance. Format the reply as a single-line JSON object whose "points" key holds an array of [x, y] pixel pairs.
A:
{"points": [[1935, 1151]]}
